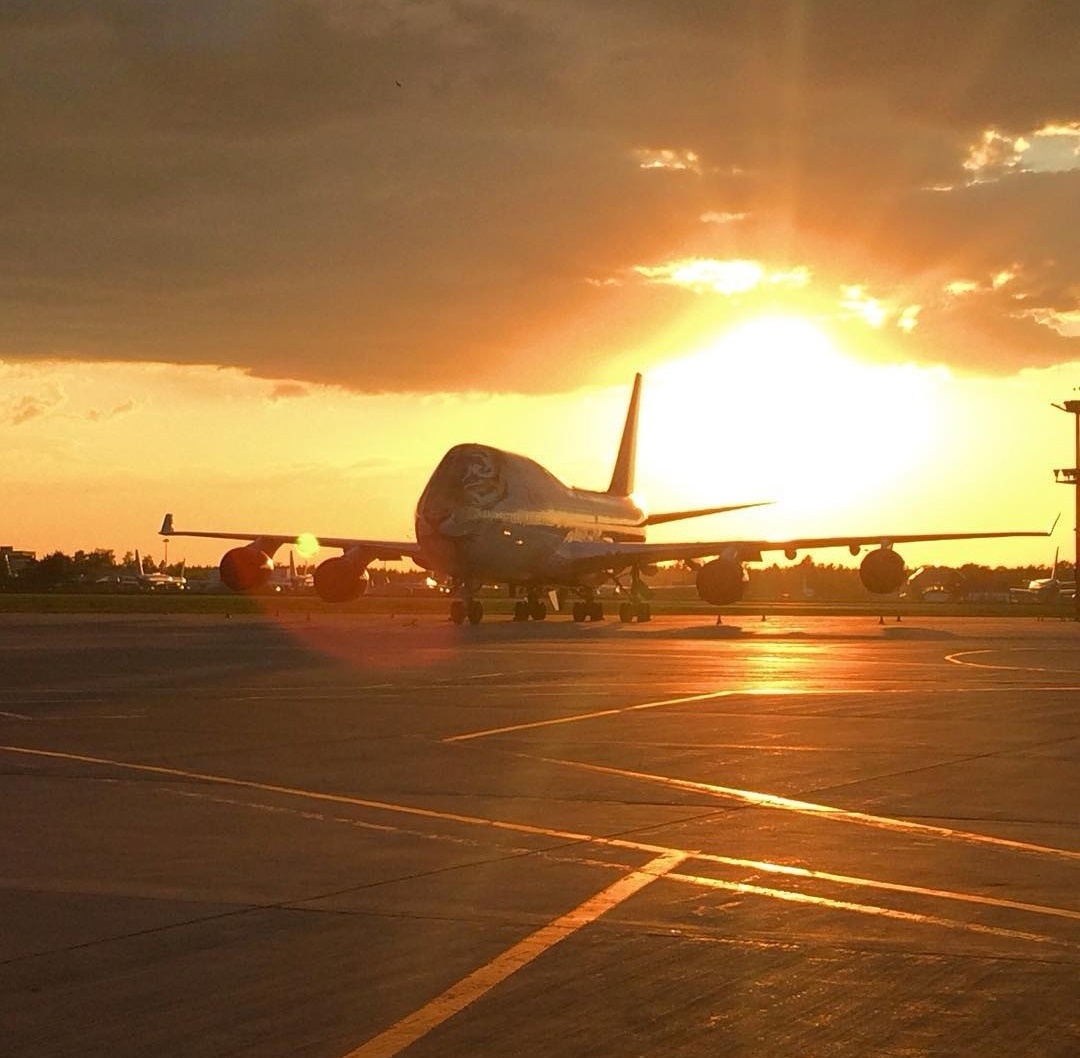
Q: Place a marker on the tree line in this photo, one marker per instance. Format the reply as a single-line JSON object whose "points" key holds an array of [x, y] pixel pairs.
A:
{"points": [[83, 571], [99, 570]]}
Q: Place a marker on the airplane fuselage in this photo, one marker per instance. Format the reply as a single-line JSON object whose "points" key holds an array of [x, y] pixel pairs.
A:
{"points": [[487, 514]]}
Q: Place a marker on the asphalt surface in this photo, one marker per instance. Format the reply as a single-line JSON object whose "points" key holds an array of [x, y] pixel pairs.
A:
{"points": [[349, 836]]}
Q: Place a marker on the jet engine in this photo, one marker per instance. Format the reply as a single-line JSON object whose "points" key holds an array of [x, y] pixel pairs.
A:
{"points": [[721, 581], [340, 579], [245, 568], [882, 571]]}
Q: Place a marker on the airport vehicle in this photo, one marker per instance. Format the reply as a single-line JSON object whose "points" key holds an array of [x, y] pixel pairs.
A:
{"points": [[489, 516]]}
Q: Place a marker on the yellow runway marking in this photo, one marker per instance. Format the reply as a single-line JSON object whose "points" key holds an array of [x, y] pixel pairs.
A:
{"points": [[477, 984], [767, 800], [863, 909]]}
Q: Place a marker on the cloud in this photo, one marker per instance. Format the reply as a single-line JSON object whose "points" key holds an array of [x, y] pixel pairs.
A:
{"points": [[24, 409], [667, 158], [288, 391], [43, 399], [410, 197], [125, 408]]}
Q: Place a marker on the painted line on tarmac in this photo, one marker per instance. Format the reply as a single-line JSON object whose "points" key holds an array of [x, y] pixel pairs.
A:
{"points": [[961, 656], [748, 692], [766, 800], [315, 795], [477, 984], [764, 866], [588, 716], [892, 887], [750, 797], [609, 842], [864, 909]]}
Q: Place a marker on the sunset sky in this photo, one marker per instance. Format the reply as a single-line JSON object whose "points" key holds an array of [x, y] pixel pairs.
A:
{"points": [[263, 262]]}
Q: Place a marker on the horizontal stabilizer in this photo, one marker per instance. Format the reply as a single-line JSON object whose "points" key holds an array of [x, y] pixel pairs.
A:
{"points": [[678, 516]]}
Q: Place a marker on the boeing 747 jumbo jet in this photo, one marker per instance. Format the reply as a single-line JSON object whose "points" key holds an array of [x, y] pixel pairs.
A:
{"points": [[489, 516]]}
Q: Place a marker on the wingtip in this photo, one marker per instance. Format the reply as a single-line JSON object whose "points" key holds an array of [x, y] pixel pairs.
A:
{"points": [[1053, 525]]}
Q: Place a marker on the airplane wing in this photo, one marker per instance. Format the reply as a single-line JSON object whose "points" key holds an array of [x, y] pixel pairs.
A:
{"points": [[589, 556], [379, 550]]}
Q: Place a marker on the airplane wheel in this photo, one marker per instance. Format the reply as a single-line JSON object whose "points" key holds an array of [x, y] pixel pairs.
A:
{"points": [[521, 610], [581, 611], [537, 610], [644, 612], [458, 612], [476, 611], [626, 612], [596, 610]]}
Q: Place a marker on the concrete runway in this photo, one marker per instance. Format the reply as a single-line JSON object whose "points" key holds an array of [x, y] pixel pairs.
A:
{"points": [[376, 836]]}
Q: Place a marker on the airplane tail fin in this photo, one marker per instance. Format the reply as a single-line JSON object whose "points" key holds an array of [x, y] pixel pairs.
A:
{"points": [[622, 478], [138, 563], [678, 516]]}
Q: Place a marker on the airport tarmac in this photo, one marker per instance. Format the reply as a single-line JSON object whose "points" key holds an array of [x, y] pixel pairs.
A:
{"points": [[369, 836]]}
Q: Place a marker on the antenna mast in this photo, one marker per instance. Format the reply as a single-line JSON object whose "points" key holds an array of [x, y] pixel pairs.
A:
{"points": [[1069, 476]]}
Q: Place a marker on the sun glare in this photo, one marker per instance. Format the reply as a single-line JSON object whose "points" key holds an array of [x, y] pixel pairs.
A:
{"points": [[773, 409]]}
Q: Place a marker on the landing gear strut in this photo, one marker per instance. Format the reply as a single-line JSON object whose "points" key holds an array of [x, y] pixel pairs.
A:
{"points": [[638, 607]]}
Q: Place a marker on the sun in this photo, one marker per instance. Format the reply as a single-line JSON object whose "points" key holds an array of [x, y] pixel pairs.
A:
{"points": [[774, 409]]}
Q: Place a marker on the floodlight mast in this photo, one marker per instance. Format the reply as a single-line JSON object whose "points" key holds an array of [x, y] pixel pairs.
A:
{"points": [[1070, 476]]}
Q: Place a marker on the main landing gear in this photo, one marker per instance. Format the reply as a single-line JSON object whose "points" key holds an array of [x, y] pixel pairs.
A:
{"points": [[588, 610], [462, 610], [638, 608], [531, 608]]}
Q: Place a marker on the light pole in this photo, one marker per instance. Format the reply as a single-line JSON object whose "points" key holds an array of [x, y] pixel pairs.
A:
{"points": [[1069, 476]]}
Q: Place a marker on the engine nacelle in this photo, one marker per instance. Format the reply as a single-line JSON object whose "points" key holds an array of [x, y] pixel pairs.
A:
{"points": [[245, 568], [340, 579], [721, 581], [882, 571]]}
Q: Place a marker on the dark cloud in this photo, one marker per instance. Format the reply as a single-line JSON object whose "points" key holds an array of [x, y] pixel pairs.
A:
{"points": [[408, 196]]}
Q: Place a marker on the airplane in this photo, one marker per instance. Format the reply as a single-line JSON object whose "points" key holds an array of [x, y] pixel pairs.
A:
{"points": [[1045, 589], [287, 579], [490, 516], [137, 580]]}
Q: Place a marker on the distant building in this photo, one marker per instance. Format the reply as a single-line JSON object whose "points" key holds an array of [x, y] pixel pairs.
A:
{"points": [[13, 562]]}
